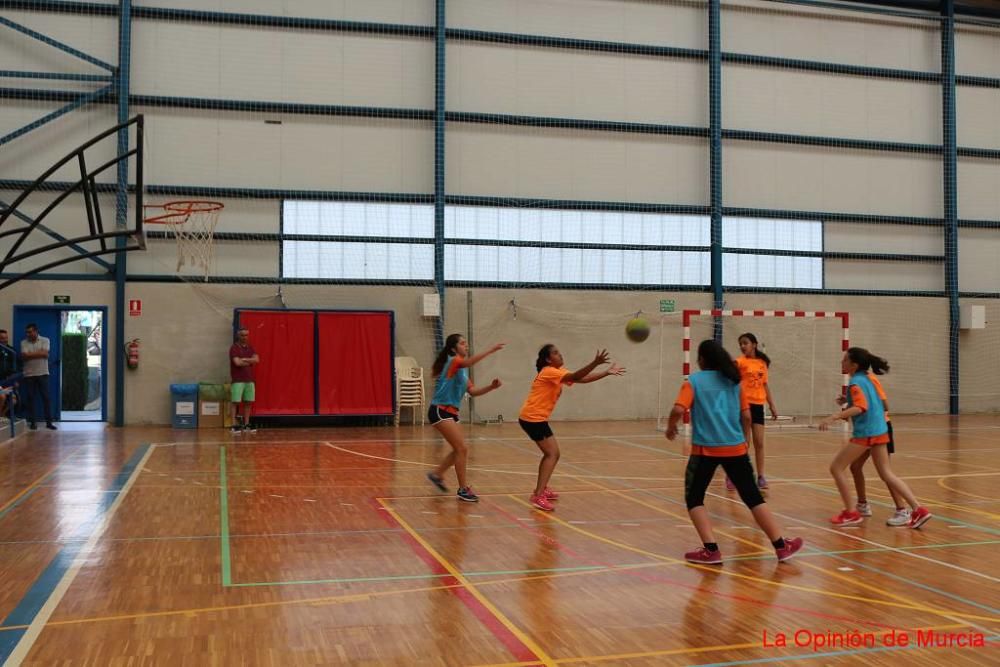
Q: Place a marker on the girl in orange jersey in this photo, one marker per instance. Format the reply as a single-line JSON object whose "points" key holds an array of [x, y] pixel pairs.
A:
{"points": [[753, 367], [541, 401]]}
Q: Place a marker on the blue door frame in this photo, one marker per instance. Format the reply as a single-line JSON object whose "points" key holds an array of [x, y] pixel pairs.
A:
{"points": [[49, 321]]}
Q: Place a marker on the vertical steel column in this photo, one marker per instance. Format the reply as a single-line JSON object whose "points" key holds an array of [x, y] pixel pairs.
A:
{"points": [[950, 171], [439, 127], [715, 154], [121, 201]]}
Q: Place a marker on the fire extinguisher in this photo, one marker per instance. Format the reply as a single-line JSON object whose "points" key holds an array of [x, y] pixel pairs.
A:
{"points": [[132, 353]]}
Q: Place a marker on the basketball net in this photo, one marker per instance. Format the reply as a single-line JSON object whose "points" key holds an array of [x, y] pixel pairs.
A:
{"points": [[192, 224]]}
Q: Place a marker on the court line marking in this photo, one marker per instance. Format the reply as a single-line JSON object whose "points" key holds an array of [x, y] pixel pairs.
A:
{"points": [[946, 519], [941, 483], [225, 554], [737, 575], [865, 566], [666, 652], [888, 548], [29, 490], [946, 613], [829, 654], [933, 502], [516, 641], [60, 573], [971, 603]]}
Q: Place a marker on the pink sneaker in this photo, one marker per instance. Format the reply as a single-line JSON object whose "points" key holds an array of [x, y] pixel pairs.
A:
{"points": [[551, 494], [787, 551], [541, 502], [729, 485], [919, 517], [704, 557], [847, 518]]}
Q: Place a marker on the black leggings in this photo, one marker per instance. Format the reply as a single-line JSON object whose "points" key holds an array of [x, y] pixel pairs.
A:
{"points": [[701, 469]]}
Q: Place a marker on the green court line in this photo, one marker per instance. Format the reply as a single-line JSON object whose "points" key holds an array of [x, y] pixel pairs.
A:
{"points": [[227, 574], [582, 568]]}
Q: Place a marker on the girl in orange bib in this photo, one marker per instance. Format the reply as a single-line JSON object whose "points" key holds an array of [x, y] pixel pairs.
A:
{"points": [[753, 367], [534, 417]]}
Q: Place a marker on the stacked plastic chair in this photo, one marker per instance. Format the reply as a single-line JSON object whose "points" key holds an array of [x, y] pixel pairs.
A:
{"points": [[409, 388]]}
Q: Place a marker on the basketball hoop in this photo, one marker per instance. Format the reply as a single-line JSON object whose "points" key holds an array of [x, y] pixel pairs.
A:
{"points": [[192, 223]]}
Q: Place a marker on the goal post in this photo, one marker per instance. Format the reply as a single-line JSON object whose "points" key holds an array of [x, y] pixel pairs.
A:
{"points": [[805, 359]]}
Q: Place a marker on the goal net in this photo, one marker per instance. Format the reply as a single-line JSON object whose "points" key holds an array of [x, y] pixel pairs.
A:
{"points": [[805, 349]]}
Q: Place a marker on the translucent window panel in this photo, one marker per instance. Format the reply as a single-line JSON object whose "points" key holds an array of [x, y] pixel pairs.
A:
{"points": [[574, 266], [572, 226], [772, 271], [332, 260], [771, 234], [358, 219]]}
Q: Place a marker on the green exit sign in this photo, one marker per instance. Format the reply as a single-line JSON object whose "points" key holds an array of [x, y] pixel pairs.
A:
{"points": [[666, 305], [60, 298]]}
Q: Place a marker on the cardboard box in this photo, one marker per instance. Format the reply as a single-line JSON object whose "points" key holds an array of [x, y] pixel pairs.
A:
{"points": [[214, 414]]}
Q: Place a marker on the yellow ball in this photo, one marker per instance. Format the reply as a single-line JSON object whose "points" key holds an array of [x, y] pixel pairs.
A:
{"points": [[637, 329]]}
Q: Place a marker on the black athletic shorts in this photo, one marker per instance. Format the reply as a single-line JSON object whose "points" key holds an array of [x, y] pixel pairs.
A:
{"points": [[438, 413], [537, 431], [757, 413]]}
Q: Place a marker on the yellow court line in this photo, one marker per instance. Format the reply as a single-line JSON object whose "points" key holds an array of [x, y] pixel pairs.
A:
{"points": [[860, 584], [543, 657], [677, 651], [941, 483], [768, 582], [940, 503], [38, 481]]}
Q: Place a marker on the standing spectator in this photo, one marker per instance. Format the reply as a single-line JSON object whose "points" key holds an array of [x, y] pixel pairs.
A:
{"points": [[35, 359], [8, 366], [242, 359]]}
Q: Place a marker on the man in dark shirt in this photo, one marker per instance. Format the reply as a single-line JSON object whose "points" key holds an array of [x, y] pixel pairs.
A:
{"points": [[242, 359]]}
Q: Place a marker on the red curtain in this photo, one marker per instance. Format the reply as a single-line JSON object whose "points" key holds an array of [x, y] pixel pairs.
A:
{"points": [[355, 363], [285, 341]]}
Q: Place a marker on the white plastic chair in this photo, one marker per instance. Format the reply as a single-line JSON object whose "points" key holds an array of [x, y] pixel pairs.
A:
{"points": [[409, 387]]}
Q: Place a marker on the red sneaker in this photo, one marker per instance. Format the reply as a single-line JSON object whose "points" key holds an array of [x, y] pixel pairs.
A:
{"points": [[787, 551], [704, 557], [542, 503], [919, 517], [847, 518], [551, 494]]}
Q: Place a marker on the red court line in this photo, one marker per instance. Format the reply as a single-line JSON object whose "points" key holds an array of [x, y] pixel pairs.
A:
{"points": [[653, 578], [516, 647]]}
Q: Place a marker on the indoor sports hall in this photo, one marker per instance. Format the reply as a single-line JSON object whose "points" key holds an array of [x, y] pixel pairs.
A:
{"points": [[301, 302]]}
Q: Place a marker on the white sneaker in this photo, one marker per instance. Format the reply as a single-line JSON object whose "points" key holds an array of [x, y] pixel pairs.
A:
{"points": [[864, 509], [900, 518]]}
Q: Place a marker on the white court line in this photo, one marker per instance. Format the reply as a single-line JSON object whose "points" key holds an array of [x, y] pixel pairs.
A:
{"points": [[20, 651], [902, 552]]}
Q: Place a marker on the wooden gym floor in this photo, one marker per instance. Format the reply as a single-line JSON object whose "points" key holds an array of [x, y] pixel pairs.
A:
{"points": [[145, 546]]}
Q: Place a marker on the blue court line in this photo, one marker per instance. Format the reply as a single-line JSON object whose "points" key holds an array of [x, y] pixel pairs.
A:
{"points": [[728, 520], [30, 493], [953, 596], [946, 519], [828, 654], [36, 596]]}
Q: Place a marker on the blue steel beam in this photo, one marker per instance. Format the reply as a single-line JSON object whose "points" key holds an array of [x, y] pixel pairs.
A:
{"points": [[715, 155], [949, 122], [440, 50], [54, 76], [45, 39], [80, 101], [121, 199]]}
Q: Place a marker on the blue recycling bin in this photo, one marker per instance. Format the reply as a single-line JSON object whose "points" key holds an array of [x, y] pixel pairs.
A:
{"points": [[184, 402]]}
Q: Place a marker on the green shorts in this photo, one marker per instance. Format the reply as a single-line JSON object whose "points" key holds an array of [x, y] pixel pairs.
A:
{"points": [[243, 392]]}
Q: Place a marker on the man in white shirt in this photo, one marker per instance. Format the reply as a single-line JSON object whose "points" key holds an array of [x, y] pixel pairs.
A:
{"points": [[35, 366]]}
